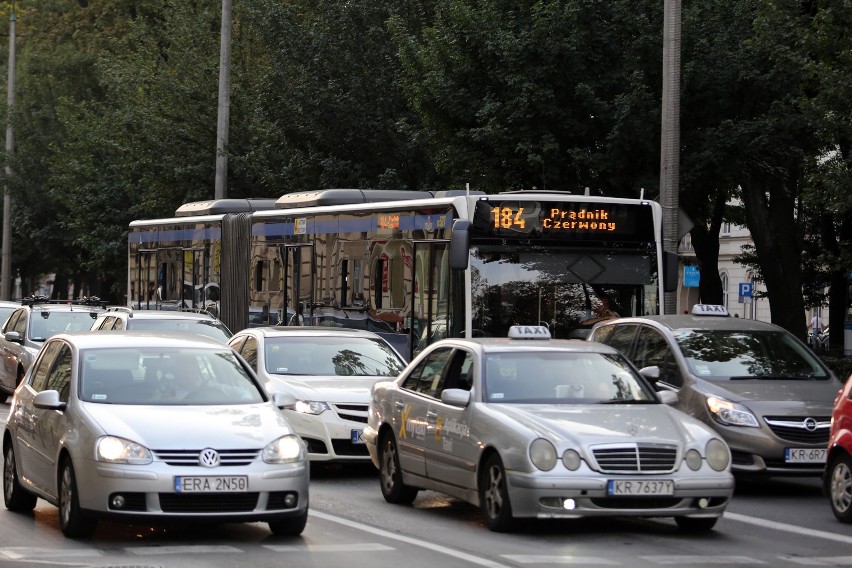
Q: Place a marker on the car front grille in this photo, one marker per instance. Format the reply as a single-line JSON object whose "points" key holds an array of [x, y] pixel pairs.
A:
{"points": [[347, 448], [800, 430], [635, 458], [208, 502], [351, 411], [191, 457], [636, 502]]}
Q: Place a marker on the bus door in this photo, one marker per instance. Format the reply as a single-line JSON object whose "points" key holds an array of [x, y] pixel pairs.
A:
{"points": [[144, 284], [430, 316], [298, 263], [194, 279]]}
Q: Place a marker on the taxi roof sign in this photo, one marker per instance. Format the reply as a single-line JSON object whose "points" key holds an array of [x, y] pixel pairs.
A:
{"points": [[529, 332], [710, 310]]}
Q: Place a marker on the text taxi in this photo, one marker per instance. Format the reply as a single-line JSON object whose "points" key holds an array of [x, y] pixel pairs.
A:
{"points": [[528, 426]]}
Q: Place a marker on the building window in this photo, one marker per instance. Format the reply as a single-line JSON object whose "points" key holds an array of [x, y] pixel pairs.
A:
{"points": [[724, 277]]}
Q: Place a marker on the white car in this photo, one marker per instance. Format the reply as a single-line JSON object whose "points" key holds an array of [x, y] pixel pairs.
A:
{"points": [[531, 427], [97, 428], [329, 371]]}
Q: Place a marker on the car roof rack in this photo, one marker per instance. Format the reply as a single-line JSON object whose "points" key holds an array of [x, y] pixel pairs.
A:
{"points": [[85, 301]]}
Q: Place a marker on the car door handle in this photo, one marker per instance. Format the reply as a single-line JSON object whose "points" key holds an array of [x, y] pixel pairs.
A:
{"points": [[399, 404], [431, 414]]}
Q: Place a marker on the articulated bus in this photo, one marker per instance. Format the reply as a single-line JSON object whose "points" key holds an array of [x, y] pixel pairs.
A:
{"points": [[413, 266]]}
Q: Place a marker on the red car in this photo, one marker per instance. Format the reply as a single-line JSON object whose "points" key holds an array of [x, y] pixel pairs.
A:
{"points": [[838, 474]]}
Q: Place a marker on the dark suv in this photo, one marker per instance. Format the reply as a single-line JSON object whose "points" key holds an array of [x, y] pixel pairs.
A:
{"points": [[30, 324]]}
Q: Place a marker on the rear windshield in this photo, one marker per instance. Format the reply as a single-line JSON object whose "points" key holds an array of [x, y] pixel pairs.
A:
{"points": [[721, 354], [214, 329], [331, 356]]}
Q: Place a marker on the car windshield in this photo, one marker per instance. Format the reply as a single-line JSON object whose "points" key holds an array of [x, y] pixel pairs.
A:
{"points": [[209, 328], [726, 354], [331, 356], [159, 377], [47, 323], [562, 378]]}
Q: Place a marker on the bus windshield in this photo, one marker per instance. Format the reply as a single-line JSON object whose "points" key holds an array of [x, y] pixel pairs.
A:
{"points": [[567, 290]]}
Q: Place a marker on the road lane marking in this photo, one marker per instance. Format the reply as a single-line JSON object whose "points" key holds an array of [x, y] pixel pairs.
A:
{"points": [[717, 560], [182, 549], [557, 559], [409, 540], [788, 528], [356, 547], [825, 561], [18, 553]]}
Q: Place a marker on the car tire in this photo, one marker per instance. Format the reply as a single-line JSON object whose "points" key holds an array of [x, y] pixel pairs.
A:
{"points": [[695, 525], [494, 496], [15, 496], [72, 520], [840, 487], [390, 474], [289, 527]]}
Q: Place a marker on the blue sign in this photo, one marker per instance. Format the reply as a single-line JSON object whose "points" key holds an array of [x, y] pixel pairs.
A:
{"points": [[745, 289], [691, 276]]}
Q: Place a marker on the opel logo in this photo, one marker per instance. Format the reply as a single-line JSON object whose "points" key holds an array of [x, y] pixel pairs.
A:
{"points": [[810, 424], [209, 457]]}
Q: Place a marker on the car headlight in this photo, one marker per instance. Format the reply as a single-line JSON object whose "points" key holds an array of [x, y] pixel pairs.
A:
{"points": [[285, 449], [118, 450], [693, 460], [571, 460], [718, 456], [731, 413], [543, 454], [310, 407]]}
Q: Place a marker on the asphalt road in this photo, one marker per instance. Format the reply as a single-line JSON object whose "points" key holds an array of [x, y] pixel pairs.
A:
{"points": [[773, 523]]}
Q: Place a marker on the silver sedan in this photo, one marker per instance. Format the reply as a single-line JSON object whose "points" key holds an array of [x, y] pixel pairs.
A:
{"points": [[531, 427], [147, 427]]}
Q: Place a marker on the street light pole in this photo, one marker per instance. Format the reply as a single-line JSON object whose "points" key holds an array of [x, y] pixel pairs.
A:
{"points": [[670, 136], [224, 109], [6, 261]]}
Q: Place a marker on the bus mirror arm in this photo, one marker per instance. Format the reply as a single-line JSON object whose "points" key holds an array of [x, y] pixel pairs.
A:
{"points": [[460, 244], [670, 268]]}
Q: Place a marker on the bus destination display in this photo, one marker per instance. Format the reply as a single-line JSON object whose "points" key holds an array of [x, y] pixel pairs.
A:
{"points": [[577, 220]]}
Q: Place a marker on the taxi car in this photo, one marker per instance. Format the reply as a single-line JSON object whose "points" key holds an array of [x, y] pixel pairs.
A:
{"points": [[329, 371], [36, 319], [837, 478], [532, 427], [98, 429], [762, 389], [122, 317]]}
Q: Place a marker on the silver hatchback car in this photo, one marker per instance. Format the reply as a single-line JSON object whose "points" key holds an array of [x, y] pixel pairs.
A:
{"points": [[756, 384], [532, 427], [146, 427]]}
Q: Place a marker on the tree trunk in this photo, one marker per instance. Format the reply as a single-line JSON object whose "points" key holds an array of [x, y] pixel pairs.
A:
{"points": [[770, 214], [705, 243]]}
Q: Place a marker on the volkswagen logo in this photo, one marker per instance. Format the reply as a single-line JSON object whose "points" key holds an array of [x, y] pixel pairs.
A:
{"points": [[810, 424], [208, 457]]}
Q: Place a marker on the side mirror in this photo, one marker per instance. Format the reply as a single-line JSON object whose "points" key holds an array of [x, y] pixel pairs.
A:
{"points": [[48, 400], [667, 397], [13, 337], [456, 397], [284, 400], [460, 245], [651, 373]]}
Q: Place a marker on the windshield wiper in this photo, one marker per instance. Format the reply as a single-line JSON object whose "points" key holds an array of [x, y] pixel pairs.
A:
{"points": [[773, 378], [628, 401]]}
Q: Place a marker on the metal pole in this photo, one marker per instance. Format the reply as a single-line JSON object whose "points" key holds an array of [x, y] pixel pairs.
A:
{"points": [[670, 135], [224, 109], [6, 262]]}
